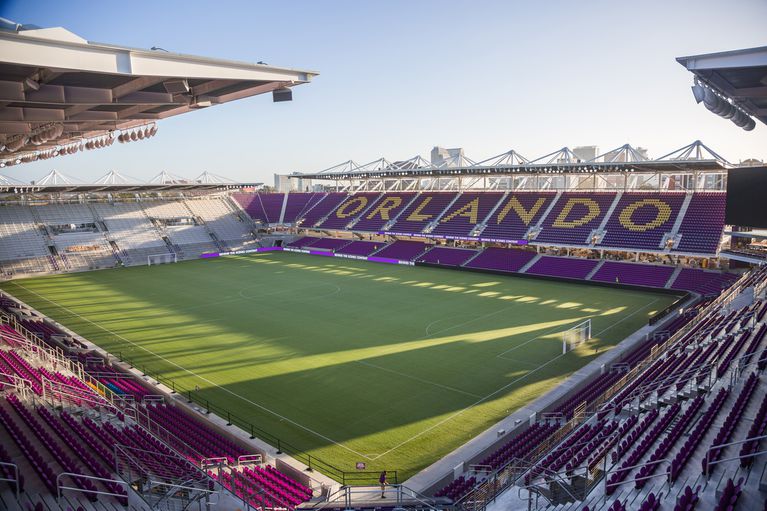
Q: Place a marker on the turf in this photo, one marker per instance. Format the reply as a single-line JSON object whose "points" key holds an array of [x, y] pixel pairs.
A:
{"points": [[346, 360]]}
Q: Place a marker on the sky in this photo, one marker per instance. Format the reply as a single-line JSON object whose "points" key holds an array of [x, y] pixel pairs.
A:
{"points": [[399, 77]]}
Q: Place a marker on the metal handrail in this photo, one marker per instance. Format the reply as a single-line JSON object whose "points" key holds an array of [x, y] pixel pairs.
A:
{"points": [[110, 397], [60, 488], [552, 476], [16, 481], [22, 385], [54, 355], [213, 462], [651, 476], [661, 386], [245, 458], [710, 463]]}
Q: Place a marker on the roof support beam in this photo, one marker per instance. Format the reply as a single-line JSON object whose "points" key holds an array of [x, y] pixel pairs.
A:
{"points": [[212, 85], [136, 85], [31, 114]]}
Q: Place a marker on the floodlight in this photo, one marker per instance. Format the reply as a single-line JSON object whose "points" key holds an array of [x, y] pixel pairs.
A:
{"points": [[31, 84], [699, 92]]}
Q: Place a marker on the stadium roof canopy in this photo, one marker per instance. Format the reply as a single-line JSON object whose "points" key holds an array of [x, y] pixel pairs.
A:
{"points": [[692, 157], [739, 75], [60, 93], [114, 182]]}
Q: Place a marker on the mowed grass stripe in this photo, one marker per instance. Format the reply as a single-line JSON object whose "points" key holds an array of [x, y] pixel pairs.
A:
{"points": [[365, 356]]}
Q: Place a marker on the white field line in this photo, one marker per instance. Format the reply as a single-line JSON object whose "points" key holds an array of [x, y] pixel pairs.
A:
{"points": [[500, 355], [459, 412], [472, 320], [282, 417]]}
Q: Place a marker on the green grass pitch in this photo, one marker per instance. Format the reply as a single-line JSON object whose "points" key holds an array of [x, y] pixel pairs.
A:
{"points": [[347, 360]]}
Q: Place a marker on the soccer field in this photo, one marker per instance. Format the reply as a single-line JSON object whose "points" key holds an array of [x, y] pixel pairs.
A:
{"points": [[347, 360]]}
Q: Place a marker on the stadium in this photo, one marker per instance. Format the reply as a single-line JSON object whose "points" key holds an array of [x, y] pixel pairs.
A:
{"points": [[580, 330]]}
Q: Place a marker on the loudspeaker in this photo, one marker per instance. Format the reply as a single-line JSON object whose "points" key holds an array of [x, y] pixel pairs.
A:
{"points": [[280, 95], [176, 86]]}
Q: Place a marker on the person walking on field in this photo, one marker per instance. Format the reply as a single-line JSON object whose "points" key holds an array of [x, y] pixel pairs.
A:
{"points": [[383, 482]]}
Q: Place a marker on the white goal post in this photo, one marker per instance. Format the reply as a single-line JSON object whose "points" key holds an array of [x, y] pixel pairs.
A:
{"points": [[575, 336], [161, 259]]}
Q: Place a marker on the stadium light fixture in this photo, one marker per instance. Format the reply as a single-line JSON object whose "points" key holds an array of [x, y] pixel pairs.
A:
{"points": [[281, 95], [698, 92], [176, 86], [31, 84], [201, 102], [722, 107]]}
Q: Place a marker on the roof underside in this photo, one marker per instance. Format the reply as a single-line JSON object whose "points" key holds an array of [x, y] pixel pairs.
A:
{"points": [[114, 182], [741, 75], [53, 82], [74, 188]]}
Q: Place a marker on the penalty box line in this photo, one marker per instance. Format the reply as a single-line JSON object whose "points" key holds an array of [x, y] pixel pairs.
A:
{"points": [[460, 412], [301, 426], [501, 355]]}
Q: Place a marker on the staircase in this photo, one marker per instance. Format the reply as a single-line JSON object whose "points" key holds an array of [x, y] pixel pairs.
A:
{"points": [[322, 220], [595, 270], [284, 207], [533, 231], [481, 227], [433, 224], [364, 212], [299, 218], [673, 277], [158, 229], [530, 263], [603, 225], [674, 234], [199, 221], [115, 248], [473, 257], [393, 221], [240, 213]]}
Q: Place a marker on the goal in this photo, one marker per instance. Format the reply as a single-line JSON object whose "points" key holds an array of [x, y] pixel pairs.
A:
{"points": [[576, 336], [161, 259]]}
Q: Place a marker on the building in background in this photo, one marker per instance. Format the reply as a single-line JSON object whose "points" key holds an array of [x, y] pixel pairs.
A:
{"points": [[586, 152], [283, 183], [440, 155]]}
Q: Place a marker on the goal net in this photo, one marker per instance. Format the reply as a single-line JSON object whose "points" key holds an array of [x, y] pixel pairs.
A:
{"points": [[575, 336], [161, 259]]}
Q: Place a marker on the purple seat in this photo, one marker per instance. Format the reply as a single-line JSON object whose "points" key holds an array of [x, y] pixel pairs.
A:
{"points": [[567, 267], [469, 210], [501, 259], [425, 209]]}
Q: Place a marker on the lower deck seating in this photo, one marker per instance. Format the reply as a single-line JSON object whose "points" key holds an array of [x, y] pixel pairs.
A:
{"points": [[27, 266], [444, 256], [702, 281], [330, 243], [667, 431], [403, 250], [501, 259], [566, 267], [43, 441], [360, 248], [636, 274]]}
